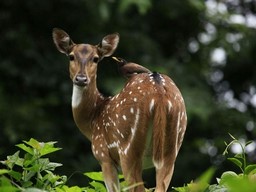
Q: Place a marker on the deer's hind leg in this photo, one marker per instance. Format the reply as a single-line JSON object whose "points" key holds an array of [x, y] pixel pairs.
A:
{"points": [[110, 176], [132, 171], [164, 176]]}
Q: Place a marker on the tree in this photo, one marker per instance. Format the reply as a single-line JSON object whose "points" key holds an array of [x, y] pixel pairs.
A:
{"points": [[207, 47]]}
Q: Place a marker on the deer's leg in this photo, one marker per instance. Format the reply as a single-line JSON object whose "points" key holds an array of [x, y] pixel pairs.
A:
{"points": [[164, 176], [132, 171], [110, 175]]}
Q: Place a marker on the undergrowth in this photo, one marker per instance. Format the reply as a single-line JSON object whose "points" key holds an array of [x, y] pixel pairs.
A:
{"points": [[29, 170]]}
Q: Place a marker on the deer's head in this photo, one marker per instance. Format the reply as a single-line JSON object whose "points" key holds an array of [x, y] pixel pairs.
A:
{"points": [[84, 57]]}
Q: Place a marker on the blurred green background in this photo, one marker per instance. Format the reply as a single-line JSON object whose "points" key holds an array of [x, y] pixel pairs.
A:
{"points": [[207, 47]]}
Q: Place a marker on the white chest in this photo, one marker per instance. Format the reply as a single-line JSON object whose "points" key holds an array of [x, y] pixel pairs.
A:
{"points": [[76, 96]]}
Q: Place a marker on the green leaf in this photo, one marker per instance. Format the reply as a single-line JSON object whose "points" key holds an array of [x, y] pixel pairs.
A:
{"points": [[33, 143], [236, 162], [227, 176], [206, 176], [26, 148], [41, 147], [4, 171], [48, 148], [16, 175], [70, 189], [250, 168], [239, 156], [181, 189], [51, 166], [6, 185], [97, 176], [32, 189], [238, 184], [98, 186], [13, 160]]}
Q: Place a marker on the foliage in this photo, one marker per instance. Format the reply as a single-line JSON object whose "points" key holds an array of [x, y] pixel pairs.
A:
{"points": [[35, 173], [229, 180], [32, 170]]}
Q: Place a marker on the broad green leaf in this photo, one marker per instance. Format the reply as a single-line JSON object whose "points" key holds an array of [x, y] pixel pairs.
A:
{"points": [[70, 189], [236, 162], [227, 176], [97, 176], [27, 184], [33, 143], [181, 189], [32, 189], [206, 176], [250, 168], [26, 148], [27, 176], [240, 184], [48, 148], [16, 175], [98, 186], [239, 156], [4, 171], [217, 188], [13, 160], [6, 185], [51, 166]]}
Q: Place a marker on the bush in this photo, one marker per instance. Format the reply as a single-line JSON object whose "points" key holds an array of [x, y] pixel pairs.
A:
{"points": [[33, 172]]}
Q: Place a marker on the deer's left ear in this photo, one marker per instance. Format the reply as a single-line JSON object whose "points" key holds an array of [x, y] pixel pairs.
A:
{"points": [[108, 45]]}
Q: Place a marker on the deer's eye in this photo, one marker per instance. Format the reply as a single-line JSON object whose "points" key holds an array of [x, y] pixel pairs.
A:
{"points": [[96, 59], [71, 57]]}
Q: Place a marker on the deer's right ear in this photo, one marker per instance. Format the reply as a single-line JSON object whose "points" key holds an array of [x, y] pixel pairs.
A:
{"points": [[62, 40]]}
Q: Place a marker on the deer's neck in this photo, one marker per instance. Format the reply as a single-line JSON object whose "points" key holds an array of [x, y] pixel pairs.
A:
{"points": [[85, 102]]}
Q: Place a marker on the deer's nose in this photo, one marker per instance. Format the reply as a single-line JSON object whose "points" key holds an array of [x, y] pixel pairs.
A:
{"points": [[81, 80]]}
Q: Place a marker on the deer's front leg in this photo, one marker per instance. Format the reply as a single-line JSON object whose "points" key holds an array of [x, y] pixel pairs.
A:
{"points": [[110, 175]]}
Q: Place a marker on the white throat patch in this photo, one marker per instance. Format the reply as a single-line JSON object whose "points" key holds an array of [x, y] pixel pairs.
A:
{"points": [[76, 96]]}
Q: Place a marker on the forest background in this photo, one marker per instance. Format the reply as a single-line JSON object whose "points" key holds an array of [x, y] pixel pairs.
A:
{"points": [[207, 47]]}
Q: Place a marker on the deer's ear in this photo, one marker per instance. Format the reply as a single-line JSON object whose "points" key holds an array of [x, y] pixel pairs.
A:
{"points": [[62, 40], [108, 45]]}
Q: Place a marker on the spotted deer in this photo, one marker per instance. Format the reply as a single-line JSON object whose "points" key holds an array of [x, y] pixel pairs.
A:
{"points": [[142, 126]]}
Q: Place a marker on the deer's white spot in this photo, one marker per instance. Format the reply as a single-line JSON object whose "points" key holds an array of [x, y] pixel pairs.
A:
{"points": [[135, 125], [177, 128], [124, 117], [113, 145], [102, 154], [135, 99], [76, 96], [126, 149], [169, 105], [130, 92], [151, 105], [132, 110]]}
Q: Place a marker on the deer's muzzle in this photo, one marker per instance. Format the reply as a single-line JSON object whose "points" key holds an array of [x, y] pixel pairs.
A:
{"points": [[81, 80]]}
